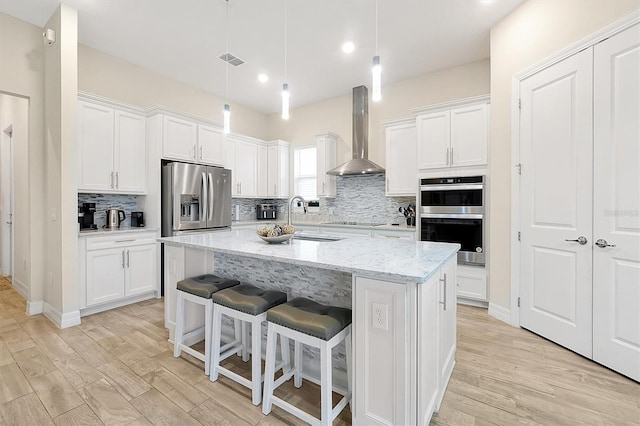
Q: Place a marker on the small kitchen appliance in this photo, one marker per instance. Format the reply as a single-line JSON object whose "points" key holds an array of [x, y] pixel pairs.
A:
{"points": [[114, 218], [137, 219], [86, 216], [266, 212]]}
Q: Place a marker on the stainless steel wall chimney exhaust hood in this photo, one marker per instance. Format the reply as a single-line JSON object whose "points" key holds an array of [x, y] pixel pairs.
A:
{"points": [[360, 164]]}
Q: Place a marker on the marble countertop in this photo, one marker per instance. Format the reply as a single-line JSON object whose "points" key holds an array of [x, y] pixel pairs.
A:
{"points": [[380, 258], [108, 231]]}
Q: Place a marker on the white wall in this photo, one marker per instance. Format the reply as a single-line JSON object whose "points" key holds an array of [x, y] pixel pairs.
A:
{"points": [[61, 94], [107, 76], [398, 100], [22, 73], [529, 34]]}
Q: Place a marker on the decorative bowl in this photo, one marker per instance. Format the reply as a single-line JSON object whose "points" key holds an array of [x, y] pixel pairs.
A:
{"points": [[279, 239]]}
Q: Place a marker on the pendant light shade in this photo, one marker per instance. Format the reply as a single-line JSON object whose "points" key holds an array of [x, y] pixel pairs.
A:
{"points": [[376, 75], [285, 101], [226, 114]]}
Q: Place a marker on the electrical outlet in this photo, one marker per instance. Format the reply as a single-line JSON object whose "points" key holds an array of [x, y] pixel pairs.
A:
{"points": [[380, 316]]}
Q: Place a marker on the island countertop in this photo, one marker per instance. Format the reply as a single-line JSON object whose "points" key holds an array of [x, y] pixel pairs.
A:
{"points": [[381, 258]]}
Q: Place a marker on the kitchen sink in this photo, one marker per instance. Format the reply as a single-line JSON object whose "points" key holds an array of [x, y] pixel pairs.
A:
{"points": [[316, 237]]}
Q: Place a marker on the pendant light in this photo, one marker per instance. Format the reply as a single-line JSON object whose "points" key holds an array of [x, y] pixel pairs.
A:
{"points": [[226, 112], [376, 70], [285, 85]]}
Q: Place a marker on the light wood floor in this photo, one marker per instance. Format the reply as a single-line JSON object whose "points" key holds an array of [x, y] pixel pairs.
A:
{"points": [[117, 368]]}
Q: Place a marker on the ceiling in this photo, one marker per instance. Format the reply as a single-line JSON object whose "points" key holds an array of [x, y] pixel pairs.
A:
{"points": [[182, 39]]}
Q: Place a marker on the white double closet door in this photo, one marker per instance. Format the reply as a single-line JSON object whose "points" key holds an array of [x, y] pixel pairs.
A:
{"points": [[580, 202]]}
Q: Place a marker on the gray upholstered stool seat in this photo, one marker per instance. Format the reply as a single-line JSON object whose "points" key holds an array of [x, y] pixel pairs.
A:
{"points": [[248, 304], [198, 290], [312, 324], [205, 285], [249, 299], [309, 317]]}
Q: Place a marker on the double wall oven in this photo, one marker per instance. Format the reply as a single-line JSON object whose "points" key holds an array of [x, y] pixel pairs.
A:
{"points": [[452, 210]]}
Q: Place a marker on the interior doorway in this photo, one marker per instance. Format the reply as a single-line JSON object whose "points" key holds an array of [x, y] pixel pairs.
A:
{"points": [[6, 203]]}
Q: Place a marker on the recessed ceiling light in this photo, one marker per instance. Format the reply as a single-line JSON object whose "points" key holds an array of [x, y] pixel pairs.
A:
{"points": [[348, 47], [263, 78]]}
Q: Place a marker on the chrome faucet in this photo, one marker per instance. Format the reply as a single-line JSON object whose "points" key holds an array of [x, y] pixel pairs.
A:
{"points": [[304, 204]]}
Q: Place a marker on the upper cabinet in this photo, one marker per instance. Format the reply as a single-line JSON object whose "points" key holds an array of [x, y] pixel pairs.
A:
{"points": [[273, 169], [453, 137], [326, 155], [241, 156], [187, 140], [112, 148], [401, 167]]}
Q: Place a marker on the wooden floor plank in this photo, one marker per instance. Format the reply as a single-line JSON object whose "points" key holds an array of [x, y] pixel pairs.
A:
{"points": [[159, 410], [79, 416], [56, 393], [110, 407], [26, 410], [13, 383]]}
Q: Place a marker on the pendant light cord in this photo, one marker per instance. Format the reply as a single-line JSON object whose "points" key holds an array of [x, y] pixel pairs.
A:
{"points": [[226, 66], [285, 41]]}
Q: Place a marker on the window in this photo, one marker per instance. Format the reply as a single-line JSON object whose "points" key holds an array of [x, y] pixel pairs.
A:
{"points": [[304, 172]]}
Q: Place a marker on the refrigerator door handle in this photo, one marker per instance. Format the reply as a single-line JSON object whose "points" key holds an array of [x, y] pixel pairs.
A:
{"points": [[203, 200], [210, 199]]}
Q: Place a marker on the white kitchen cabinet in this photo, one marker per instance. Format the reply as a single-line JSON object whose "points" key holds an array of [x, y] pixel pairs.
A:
{"points": [[263, 171], [446, 326], [278, 169], [453, 137], [472, 282], [407, 343], [210, 145], [401, 167], [326, 160], [241, 156], [401, 233], [118, 267], [112, 149], [187, 140], [179, 138]]}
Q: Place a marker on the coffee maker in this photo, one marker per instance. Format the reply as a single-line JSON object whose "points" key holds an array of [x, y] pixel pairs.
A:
{"points": [[86, 216]]}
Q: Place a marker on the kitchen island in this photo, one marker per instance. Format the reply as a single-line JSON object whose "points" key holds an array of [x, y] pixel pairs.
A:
{"points": [[402, 294]]}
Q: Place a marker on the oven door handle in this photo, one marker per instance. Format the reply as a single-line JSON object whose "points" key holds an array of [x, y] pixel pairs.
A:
{"points": [[452, 187], [451, 216]]}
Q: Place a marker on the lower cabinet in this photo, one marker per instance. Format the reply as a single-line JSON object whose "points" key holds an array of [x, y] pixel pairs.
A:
{"points": [[472, 283], [117, 268], [406, 335]]}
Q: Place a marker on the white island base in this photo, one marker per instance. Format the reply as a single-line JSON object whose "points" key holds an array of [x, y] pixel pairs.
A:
{"points": [[403, 296]]}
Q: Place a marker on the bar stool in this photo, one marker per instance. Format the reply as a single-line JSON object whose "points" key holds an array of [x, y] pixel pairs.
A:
{"points": [[313, 324], [249, 304], [198, 290]]}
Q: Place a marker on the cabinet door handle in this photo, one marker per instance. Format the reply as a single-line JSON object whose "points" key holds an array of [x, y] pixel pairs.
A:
{"points": [[240, 188], [444, 286], [122, 259], [452, 156], [323, 187], [127, 258], [111, 181], [125, 241], [447, 156], [117, 181], [275, 189], [201, 153]]}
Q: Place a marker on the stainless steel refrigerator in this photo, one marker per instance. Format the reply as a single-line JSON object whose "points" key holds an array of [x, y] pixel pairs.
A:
{"points": [[195, 198]]}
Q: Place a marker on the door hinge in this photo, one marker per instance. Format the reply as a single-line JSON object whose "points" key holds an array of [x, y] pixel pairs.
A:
{"points": [[519, 167], [519, 236], [518, 302]]}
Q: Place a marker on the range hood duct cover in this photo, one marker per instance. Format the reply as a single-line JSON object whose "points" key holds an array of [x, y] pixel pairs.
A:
{"points": [[360, 164]]}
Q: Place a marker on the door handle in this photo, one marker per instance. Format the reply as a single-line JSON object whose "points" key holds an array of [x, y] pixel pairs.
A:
{"points": [[240, 188], [122, 259], [117, 181], [127, 258], [452, 156], [194, 151], [111, 180], [9, 223], [201, 153], [580, 240], [275, 189], [444, 285], [210, 198], [603, 243], [204, 200], [447, 156]]}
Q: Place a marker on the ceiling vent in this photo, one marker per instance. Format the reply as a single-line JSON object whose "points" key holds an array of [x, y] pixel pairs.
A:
{"points": [[233, 60]]}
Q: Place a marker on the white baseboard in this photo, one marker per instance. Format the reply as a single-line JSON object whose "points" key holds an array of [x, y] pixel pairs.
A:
{"points": [[21, 288], [503, 314], [118, 303], [68, 319], [472, 302], [35, 308]]}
